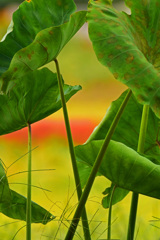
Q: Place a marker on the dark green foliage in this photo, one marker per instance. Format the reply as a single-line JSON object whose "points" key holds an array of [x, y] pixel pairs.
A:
{"points": [[32, 99], [129, 45], [13, 205], [128, 128], [39, 34], [127, 132]]}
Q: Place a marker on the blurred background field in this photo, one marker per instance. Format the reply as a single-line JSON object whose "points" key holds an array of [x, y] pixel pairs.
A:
{"points": [[79, 66]]}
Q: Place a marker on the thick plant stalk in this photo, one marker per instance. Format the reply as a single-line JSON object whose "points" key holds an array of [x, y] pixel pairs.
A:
{"points": [[110, 214], [28, 208], [82, 202], [72, 154], [140, 149]]}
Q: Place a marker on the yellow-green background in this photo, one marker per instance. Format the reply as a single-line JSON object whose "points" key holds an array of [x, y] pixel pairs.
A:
{"points": [[78, 66]]}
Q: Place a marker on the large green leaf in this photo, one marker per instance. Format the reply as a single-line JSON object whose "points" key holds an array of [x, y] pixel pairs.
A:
{"points": [[127, 131], [13, 205], [45, 48], [129, 45], [123, 166], [31, 100], [30, 18]]}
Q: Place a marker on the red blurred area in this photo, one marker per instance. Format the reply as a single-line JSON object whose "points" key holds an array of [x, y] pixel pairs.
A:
{"points": [[44, 129]]}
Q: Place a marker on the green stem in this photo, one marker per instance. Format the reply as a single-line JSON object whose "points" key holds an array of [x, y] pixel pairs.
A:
{"points": [[28, 208], [135, 196], [82, 202], [110, 214], [72, 154]]}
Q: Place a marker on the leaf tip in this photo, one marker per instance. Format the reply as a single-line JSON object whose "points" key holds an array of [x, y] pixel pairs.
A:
{"points": [[48, 219]]}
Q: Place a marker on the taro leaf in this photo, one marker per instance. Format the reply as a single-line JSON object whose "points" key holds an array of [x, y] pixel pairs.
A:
{"points": [[127, 131], [118, 195], [31, 100], [123, 166], [13, 205], [45, 48], [16, 209], [128, 127], [129, 45], [30, 18]]}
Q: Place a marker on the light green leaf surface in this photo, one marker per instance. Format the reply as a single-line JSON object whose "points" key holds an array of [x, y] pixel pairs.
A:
{"points": [[123, 166], [129, 45], [84, 172], [13, 204], [31, 100], [127, 131]]}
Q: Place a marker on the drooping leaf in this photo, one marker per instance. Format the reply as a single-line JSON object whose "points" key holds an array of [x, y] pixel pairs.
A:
{"points": [[127, 131], [16, 209], [32, 99], [123, 166], [129, 45], [118, 195], [30, 18], [43, 49], [13, 204]]}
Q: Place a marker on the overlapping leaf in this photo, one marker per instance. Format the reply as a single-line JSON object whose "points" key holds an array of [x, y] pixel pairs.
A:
{"points": [[123, 166], [31, 100], [47, 43], [127, 132], [13, 205], [129, 45], [30, 18]]}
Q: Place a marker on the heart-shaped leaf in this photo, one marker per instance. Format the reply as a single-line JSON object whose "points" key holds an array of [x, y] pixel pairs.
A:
{"points": [[30, 18], [123, 166], [129, 45], [13, 205], [31, 100], [44, 48]]}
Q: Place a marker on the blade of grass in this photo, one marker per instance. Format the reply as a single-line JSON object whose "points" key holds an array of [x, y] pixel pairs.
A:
{"points": [[26, 184], [18, 232], [72, 153], [20, 158], [28, 208], [135, 196], [84, 197], [36, 170]]}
